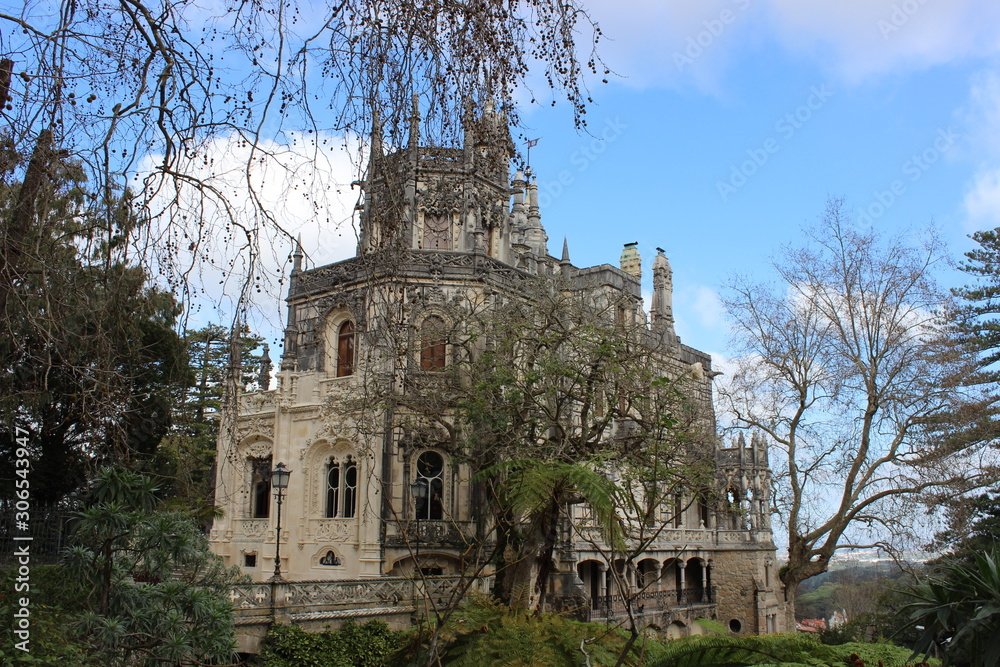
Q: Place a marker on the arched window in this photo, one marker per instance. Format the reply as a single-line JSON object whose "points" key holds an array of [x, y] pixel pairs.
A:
{"points": [[437, 232], [345, 349], [433, 343], [430, 481], [350, 487], [341, 488], [260, 487]]}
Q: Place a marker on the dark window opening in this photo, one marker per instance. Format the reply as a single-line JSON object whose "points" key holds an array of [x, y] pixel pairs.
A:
{"points": [[260, 501], [332, 489], [341, 488], [249, 560], [430, 472]]}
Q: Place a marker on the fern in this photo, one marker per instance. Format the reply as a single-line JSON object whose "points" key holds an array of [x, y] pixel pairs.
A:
{"points": [[785, 650]]}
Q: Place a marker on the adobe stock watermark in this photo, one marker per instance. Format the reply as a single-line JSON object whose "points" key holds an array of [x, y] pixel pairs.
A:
{"points": [[581, 159], [21, 600], [704, 39], [786, 127], [913, 169], [901, 14]]}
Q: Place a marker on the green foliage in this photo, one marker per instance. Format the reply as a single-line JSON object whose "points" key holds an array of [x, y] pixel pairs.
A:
{"points": [[488, 633], [53, 601], [352, 645], [185, 457], [884, 654], [959, 609], [152, 591], [88, 354], [737, 651]]}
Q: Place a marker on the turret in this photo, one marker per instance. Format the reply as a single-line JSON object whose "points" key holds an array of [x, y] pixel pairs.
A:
{"points": [[630, 261], [288, 355], [534, 234], [661, 309], [414, 140]]}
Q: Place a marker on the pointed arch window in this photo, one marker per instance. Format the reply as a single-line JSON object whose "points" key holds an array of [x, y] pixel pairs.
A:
{"points": [[437, 232], [430, 480], [341, 488], [433, 343], [260, 487], [345, 349]]}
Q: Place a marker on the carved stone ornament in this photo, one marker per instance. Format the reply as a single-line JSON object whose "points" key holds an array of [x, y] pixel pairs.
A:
{"points": [[440, 198], [333, 530], [249, 426], [254, 528]]}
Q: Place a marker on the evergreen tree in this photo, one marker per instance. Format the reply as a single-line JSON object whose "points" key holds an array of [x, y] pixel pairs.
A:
{"points": [[153, 593], [973, 523], [186, 455], [88, 354]]}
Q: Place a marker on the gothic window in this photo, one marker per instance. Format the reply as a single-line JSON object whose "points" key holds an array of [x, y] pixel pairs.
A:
{"points": [[433, 343], [260, 487], [350, 487], [430, 481], [345, 349], [678, 511], [341, 488], [437, 232]]}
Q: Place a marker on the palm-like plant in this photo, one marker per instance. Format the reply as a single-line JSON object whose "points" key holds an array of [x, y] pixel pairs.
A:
{"points": [[536, 494], [959, 610]]}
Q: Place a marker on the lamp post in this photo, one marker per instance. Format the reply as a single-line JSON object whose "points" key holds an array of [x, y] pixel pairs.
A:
{"points": [[279, 481], [419, 491]]}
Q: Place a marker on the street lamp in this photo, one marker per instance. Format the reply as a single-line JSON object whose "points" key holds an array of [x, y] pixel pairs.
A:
{"points": [[419, 491], [279, 481]]}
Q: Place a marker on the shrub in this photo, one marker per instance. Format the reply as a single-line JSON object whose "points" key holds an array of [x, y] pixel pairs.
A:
{"points": [[352, 645]]}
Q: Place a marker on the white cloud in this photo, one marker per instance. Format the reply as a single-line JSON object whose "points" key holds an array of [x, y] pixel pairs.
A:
{"points": [[855, 39], [982, 201], [204, 236], [865, 37]]}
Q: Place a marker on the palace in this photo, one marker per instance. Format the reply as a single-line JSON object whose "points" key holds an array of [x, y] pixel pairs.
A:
{"points": [[380, 487]]}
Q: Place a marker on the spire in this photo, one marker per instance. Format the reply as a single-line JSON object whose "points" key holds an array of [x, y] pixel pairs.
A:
{"points": [[264, 376], [297, 255], [534, 233], [376, 150], [415, 122], [661, 309], [564, 264]]}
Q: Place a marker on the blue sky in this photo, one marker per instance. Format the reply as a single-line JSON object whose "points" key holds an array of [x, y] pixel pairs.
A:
{"points": [[732, 122], [727, 126]]}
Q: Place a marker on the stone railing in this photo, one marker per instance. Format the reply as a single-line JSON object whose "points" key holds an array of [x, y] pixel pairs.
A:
{"points": [[432, 533], [609, 606], [295, 600]]}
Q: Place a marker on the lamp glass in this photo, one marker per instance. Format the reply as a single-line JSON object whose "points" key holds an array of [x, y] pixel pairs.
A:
{"points": [[279, 476]]}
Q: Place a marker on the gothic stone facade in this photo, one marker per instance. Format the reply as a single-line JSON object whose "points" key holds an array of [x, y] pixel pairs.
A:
{"points": [[438, 226]]}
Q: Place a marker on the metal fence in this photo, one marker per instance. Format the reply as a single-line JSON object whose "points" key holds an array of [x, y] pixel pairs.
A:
{"points": [[48, 526]]}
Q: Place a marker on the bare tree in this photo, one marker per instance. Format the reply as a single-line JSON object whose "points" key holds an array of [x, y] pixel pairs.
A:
{"points": [[181, 102], [850, 369], [180, 118]]}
